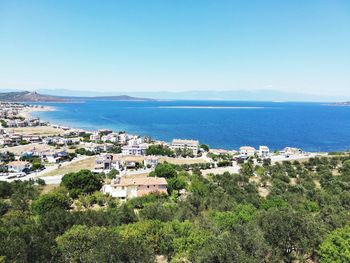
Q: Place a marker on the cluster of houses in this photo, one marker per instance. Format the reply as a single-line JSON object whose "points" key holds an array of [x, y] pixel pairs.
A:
{"points": [[10, 116], [22, 167], [10, 138], [107, 162], [108, 136], [10, 110], [264, 152], [52, 149]]}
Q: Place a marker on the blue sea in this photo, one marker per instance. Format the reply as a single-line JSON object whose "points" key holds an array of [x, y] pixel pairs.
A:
{"points": [[220, 124]]}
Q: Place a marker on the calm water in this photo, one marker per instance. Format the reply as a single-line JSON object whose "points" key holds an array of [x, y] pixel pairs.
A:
{"points": [[310, 126]]}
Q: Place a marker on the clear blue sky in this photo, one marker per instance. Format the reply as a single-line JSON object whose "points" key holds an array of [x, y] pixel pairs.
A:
{"points": [[148, 45]]}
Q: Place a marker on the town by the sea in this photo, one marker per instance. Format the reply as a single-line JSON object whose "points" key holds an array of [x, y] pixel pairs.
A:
{"points": [[220, 124]]}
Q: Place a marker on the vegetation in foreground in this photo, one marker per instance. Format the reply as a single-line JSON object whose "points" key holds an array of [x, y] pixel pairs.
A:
{"points": [[219, 218]]}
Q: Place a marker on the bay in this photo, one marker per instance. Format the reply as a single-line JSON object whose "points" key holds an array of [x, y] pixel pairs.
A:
{"points": [[220, 124]]}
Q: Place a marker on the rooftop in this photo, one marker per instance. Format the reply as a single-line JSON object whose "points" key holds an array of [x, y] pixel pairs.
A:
{"points": [[142, 181], [247, 148], [181, 141]]}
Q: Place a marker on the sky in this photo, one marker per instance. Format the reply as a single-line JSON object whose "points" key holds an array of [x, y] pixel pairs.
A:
{"points": [[176, 45]]}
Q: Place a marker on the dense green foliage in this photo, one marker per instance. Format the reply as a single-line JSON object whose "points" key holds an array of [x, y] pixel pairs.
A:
{"points": [[3, 123], [82, 182], [6, 157], [83, 151], [336, 247], [159, 150], [286, 212], [51, 201], [115, 149]]}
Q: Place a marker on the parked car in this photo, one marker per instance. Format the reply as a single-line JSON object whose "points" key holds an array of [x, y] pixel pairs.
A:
{"points": [[11, 176], [19, 175]]}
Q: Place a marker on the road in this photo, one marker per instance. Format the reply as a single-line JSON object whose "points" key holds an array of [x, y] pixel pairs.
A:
{"points": [[56, 179], [219, 170]]}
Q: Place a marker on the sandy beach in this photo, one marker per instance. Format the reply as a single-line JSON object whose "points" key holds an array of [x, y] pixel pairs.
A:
{"points": [[27, 111]]}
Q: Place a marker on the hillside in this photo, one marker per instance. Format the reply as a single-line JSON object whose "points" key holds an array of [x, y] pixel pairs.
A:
{"points": [[27, 96]]}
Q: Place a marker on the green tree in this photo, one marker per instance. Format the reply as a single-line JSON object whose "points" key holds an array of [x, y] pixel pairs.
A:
{"points": [[112, 174], [37, 165], [159, 150], [6, 157], [291, 233], [4, 207], [230, 219], [176, 183], [205, 147], [23, 193], [222, 249], [51, 201], [158, 211], [82, 182], [165, 170], [5, 189], [247, 169], [336, 247], [97, 244]]}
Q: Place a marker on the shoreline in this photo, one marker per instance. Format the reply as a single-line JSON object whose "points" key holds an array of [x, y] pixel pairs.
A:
{"points": [[30, 109]]}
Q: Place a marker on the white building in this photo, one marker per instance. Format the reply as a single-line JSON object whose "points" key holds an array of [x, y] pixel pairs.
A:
{"points": [[136, 140], [247, 151], [264, 151], [106, 162], [18, 166], [192, 145], [151, 161], [289, 151], [94, 147], [123, 138], [95, 137], [129, 188], [139, 149], [112, 137]]}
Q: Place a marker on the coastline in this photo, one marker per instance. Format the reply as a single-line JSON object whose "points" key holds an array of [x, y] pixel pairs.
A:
{"points": [[28, 111], [116, 120]]}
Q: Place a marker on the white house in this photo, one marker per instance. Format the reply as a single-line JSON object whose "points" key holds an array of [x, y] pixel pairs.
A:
{"points": [[264, 151], [247, 151], [112, 137], [18, 166], [192, 145], [95, 137], [151, 161], [123, 138], [288, 151], [94, 147], [136, 140], [107, 162], [138, 149], [129, 188]]}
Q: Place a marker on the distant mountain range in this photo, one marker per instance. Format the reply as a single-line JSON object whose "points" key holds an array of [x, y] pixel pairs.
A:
{"points": [[238, 95], [57, 95], [28, 96]]}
